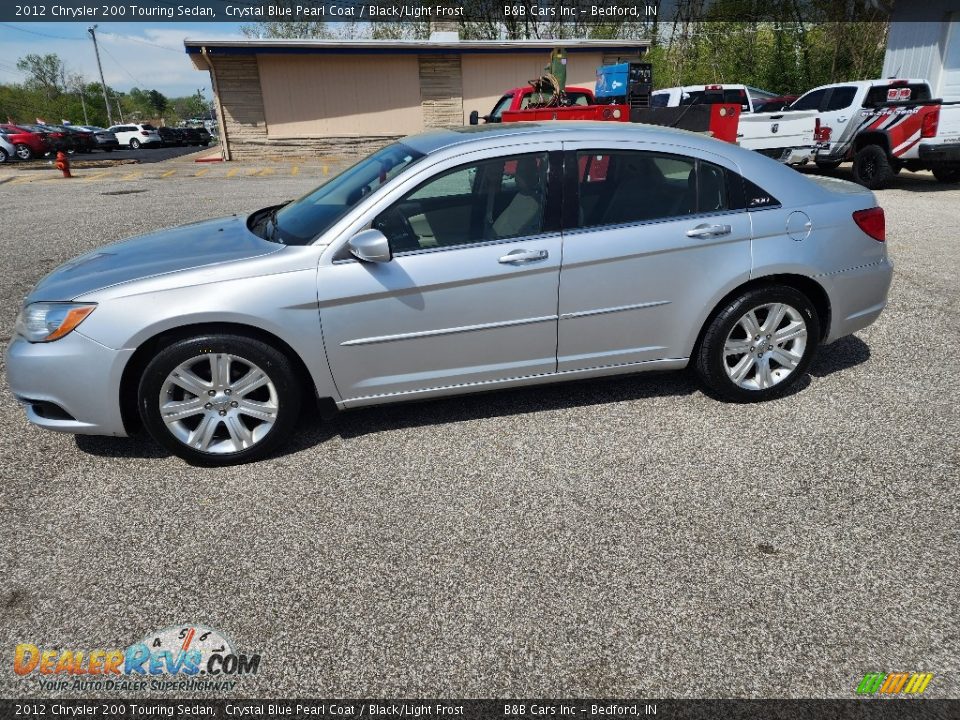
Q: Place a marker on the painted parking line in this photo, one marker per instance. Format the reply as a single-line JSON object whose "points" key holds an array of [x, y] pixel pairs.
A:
{"points": [[201, 173], [266, 171], [133, 175], [295, 170], [232, 172], [326, 170], [95, 176], [168, 173]]}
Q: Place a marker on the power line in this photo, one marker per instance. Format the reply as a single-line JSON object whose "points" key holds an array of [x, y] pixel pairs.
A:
{"points": [[122, 67], [142, 42], [34, 32]]}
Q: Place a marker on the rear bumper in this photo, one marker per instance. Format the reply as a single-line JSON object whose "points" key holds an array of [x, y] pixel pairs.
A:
{"points": [[939, 154], [71, 385], [857, 297]]}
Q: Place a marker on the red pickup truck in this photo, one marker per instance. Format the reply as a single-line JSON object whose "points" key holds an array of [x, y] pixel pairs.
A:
{"points": [[520, 99], [528, 104]]}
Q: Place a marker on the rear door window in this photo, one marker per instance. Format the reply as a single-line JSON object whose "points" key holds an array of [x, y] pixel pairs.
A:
{"points": [[880, 94], [840, 98], [810, 101]]}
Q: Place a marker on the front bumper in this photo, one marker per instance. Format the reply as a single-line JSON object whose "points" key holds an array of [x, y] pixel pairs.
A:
{"points": [[70, 385], [939, 154]]}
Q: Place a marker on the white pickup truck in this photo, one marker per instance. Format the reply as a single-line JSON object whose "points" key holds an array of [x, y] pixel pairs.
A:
{"points": [[884, 126], [790, 137]]}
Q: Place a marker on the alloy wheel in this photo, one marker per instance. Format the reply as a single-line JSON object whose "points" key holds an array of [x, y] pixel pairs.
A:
{"points": [[218, 403], [765, 346]]}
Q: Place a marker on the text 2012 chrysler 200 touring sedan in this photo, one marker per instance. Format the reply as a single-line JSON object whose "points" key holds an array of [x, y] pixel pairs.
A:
{"points": [[450, 262]]}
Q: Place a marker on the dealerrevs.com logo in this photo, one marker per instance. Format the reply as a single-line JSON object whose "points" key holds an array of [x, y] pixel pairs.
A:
{"points": [[178, 658]]}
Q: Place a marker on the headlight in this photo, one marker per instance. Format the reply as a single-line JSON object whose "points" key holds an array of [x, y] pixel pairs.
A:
{"points": [[48, 321]]}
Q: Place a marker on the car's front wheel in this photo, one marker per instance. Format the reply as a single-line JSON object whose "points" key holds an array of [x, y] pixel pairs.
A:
{"points": [[3, 155], [219, 399], [759, 345]]}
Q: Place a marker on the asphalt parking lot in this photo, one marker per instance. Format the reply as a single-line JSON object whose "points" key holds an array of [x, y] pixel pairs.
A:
{"points": [[626, 537]]}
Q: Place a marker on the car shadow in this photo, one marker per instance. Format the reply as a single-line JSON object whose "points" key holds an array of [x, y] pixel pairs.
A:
{"points": [[905, 180], [847, 352], [313, 431]]}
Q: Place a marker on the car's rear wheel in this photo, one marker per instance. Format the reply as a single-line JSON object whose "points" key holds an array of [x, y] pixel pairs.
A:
{"points": [[219, 399], [871, 167], [134, 144], [759, 345], [947, 175], [23, 151]]}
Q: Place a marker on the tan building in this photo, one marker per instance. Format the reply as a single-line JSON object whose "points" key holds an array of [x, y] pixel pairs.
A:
{"points": [[310, 97]]}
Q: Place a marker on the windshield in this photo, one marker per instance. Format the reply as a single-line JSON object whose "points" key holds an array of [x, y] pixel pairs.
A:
{"points": [[302, 220]]}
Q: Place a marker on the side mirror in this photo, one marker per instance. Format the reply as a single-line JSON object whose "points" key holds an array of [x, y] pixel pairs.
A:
{"points": [[370, 246], [474, 117]]}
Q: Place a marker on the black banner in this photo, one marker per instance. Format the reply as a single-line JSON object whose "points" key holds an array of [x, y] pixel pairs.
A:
{"points": [[874, 709], [488, 11]]}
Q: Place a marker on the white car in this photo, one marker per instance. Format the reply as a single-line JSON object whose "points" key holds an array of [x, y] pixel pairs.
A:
{"points": [[7, 150], [133, 136]]}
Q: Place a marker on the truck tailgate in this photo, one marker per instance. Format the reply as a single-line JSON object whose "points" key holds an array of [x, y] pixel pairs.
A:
{"points": [[763, 131]]}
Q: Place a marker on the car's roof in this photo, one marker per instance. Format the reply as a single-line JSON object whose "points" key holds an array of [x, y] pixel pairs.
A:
{"points": [[434, 140]]}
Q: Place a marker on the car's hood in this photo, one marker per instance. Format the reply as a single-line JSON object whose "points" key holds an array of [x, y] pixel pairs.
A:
{"points": [[166, 251]]}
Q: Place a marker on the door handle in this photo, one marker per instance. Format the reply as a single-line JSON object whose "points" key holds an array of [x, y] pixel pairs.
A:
{"points": [[841, 119], [516, 257], [704, 231]]}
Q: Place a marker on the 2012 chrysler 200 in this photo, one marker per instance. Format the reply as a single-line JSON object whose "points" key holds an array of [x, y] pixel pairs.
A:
{"points": [[451, 262]]}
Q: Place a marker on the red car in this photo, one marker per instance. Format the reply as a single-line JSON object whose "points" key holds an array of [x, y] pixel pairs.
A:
{"points": [[27, 143]]}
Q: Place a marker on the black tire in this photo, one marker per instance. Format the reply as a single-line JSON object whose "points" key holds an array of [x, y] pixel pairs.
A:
{"points": [[4, 156], [710, 360], [947, 175], [108, 149], [134, 144], [828, 164], [23, 151], [278, 368], [871, 167]]}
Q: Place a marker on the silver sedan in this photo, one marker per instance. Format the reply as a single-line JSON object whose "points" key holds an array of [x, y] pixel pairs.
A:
{"points": [[452, 262]]}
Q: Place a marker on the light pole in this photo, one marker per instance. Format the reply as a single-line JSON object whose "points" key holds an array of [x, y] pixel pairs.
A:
{"points": [[103, 85]]}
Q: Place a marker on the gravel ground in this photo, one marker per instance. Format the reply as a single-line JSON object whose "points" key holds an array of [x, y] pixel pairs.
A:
{"points": [[626, 537]]}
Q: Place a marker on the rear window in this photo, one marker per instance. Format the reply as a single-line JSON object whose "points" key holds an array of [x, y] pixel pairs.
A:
{"points": [[881, 94], [713, 97], [148, 126]]}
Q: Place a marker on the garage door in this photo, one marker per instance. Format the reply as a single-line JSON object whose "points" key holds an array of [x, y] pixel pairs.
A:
{"points": [[950, 77], [340, 96]]}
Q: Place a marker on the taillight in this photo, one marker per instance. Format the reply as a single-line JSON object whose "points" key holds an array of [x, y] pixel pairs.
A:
{"points": [[821, 133], [872, 222], [931, 122], [144, 132]]}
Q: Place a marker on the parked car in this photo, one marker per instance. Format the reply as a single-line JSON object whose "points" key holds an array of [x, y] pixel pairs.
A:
{"points": [[134, 136], [103, 139], [83, 139], [205, 136], [884, 126], [27, 143], [190, 136], [171, 137], [433, 267], [749, 98], [59, 138], [7, 149]]}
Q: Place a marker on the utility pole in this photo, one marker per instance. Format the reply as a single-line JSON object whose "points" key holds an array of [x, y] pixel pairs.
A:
{"points": [[86, 120], [119, 110], [103, 85]]}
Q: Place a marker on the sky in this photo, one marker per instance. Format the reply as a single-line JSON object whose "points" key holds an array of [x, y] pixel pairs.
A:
{"points": [[145, 55]]}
